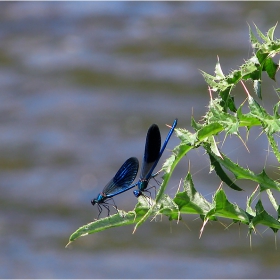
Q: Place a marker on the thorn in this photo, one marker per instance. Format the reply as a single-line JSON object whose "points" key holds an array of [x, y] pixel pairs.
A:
{"points": [[227, 227], [186, 225], [251, 242], [179, 186], [244, 144], [210, 93], [246, 90], [134, 229], [179, 215], [201, 231], [220, 187]]}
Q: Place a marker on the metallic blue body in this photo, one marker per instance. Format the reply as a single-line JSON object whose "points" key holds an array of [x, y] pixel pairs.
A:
{"points": [[120, 183]]}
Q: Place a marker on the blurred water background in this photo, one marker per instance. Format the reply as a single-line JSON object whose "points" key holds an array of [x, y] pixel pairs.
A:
{"points": [[80, 84]]}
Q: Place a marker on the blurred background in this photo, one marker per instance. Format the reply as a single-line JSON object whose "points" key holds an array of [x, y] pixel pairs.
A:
{"points": [[80, 83]]}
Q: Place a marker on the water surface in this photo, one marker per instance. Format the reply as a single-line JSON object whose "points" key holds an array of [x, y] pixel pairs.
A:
{"points": [[80, 83]]}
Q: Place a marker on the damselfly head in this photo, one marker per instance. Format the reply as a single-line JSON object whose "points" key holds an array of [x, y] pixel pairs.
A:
{"points": [[137, 193]]}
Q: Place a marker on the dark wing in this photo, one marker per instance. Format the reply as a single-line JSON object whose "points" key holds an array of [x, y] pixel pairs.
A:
{"points": [[123, 179], [152, 149], [148, 168]]}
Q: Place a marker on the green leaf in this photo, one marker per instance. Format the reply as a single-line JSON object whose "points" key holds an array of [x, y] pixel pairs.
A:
{"points": [[231, 104], [272, 200], [186, 137], [257, 88], [249, 209], [274, 146], [262, 217], [248, 69], [169, 208], [213, 146], [270, 67], [275, 110], [247, 119], [242, 173], [253, 38], [217, 115], [218, 71], [190, 201], [234, 77], [221, 207], [209, 130], [266, 182], [222, 175], [210, 80], [271, 124], [261, 35], [228, 101], [262, 56], [270, 33], [195, 125], [119, 219]]}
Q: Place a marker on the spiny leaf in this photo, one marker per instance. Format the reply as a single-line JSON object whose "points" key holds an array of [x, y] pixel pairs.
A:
{"points": [[262, 217], [222, 175], [266, 182], [275, 110], [218, 71], [234, 77], [271, 124], [216, 114], [221, 207], [210, 80], [249, 209], [270, 33], [186, 137], [122, 218], [209, 130], [271, 68], [190, 201], [169, 208], [262, 56], [242, 173], [257, 88], [195, 125], [231, 104], [213, 146], [274, 146], [261, 35], [272, 200], [248, 70], [253, 39], [247, 120]]}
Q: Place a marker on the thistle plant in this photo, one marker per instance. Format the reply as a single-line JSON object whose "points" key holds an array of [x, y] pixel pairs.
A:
{"points": [[223, 117]]}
